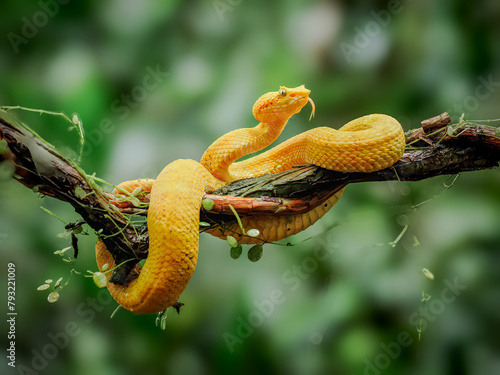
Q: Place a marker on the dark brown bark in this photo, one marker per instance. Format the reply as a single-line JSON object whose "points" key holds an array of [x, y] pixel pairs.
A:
{"points": [[39, 167]]}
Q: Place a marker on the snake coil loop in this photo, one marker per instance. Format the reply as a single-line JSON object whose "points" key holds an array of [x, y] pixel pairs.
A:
{"points": [[365, 144]]}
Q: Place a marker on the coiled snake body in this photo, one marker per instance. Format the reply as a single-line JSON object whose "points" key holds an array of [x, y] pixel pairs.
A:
{"points": [[365, 144]]}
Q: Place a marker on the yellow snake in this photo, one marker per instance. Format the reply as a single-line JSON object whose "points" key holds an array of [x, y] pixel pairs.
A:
{"points": [[365, 144]]}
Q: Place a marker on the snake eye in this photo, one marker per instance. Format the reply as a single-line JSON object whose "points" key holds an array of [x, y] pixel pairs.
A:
{"points": [[283, 92]]}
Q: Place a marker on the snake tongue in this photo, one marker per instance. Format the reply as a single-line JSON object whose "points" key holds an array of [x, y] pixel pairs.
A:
{"points": [[313, 108]]}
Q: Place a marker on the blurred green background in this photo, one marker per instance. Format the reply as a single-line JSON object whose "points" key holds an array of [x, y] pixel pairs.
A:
{"points": [[156, 81]]}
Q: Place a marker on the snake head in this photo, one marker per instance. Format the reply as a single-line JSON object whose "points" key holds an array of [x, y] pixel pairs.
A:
{"points": [[282, 104]]}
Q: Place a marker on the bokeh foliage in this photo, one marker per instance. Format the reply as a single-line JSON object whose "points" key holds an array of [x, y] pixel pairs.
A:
{"points": [[207, 62]]}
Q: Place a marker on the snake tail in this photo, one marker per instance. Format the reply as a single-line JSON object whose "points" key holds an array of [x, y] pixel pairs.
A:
{"points": [[173, 222]]}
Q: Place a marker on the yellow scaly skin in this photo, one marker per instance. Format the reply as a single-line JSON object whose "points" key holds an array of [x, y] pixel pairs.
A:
{"points": [[366, 144], [173, 222]]}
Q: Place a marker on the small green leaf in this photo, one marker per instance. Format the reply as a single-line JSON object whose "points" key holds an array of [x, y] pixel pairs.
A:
{"points": [[48, 281], [99, 279], [255, 253], [62, 251], [232, 241], [53, 297], [253, 232], [77, 230], [428, 273], [43, 287], [104, 267], [136, 202], [161, 319], [63, 234], [58, 283], [75, 119], [163, 324], [136, 191], [158, 318], [204, 224], [208, 203], [80, 193], [236, 251]]}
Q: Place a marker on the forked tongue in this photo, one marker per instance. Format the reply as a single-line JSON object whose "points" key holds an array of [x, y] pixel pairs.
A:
{"points": [[313, 108]]}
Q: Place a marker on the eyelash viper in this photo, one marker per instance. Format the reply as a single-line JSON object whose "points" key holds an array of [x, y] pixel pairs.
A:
{"points": [[365, 144]]}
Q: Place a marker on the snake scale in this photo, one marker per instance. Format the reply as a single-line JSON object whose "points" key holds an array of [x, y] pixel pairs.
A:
{"points": [[366, 144]]}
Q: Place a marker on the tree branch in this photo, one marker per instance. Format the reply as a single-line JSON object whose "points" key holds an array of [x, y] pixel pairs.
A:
{"points": [[38, 166], [435, 149]]}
